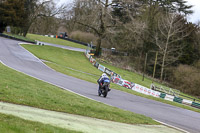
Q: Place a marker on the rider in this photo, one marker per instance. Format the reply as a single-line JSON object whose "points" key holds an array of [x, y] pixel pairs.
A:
{"points": [[101, 80]]}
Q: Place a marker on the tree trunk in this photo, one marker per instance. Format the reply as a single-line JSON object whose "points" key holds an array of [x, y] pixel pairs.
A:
{"points": [[165, 52], [139, 62], [98, 47], [25, 30], [162, 67], [164, 56]]}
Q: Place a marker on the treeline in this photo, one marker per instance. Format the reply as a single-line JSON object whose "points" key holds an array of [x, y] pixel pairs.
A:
{"points": [[137, 27], [22, 14], [140, 28]]}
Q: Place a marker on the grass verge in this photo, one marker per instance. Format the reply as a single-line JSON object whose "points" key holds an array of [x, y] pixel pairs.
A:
{"points": [[21, 37], [18, 88], [137, 78], [59, 59], [12, 124], [54, 41]]}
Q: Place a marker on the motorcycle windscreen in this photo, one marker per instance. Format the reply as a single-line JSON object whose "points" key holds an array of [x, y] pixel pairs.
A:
{"points": [[106, 81]]}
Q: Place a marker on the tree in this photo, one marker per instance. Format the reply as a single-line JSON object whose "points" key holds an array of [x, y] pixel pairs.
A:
{"points": [[2, 21], [39, 8], [172, 6], [191, 51], [32, 11], [131, 30], [45, 25], [171, 29], [46, 21], [126, 10], [154, 9], [12, 13], [95, 15]]}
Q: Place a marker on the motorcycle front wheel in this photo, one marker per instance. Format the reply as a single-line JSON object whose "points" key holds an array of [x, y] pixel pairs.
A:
{"points": [[105, 91], [99, 92]]}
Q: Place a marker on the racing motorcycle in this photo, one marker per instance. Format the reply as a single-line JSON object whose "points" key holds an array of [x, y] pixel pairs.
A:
{"points": [[104, 88]]}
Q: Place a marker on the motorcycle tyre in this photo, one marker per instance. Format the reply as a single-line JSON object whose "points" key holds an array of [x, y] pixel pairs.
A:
{"points": [[99, 93], [105, 92]]}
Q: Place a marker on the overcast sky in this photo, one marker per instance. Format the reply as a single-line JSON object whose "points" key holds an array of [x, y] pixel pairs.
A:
{"points": [[195, 17]]}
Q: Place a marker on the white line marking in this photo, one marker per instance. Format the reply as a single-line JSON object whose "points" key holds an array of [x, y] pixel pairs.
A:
{"points": [[172, 126], [78, 93], [34, 56]]}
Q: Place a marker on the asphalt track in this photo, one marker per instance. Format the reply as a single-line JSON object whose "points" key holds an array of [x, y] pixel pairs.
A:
{"points": [[16, 57], [64, 47]]}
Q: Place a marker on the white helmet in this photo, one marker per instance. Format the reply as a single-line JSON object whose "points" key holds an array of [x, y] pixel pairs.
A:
{"points": [[104, 75]]}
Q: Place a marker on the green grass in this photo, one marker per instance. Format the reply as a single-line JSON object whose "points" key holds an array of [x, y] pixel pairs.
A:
{"points": [[18, 88], [59, 59], [137, 78], [21, 37], [54, 41], [12, 124]]}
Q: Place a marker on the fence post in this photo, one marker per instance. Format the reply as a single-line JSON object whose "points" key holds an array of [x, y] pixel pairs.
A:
{"points": [[145, 64], [154, 69]]}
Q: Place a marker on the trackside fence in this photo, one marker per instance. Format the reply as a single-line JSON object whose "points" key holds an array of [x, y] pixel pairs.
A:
{"points": [[14, 38], [172, 95]]}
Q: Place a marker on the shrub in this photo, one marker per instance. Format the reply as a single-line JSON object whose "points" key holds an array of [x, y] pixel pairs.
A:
{"points": [[187, 79], [83, 37]]}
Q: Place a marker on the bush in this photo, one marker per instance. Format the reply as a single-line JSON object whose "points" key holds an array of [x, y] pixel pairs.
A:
{"points": [[83, 37], [124, 62], [187, 79], [197, 65]]}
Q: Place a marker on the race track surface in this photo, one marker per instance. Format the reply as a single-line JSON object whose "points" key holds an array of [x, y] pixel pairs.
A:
{"points": [[64, 47], [16, 57]]}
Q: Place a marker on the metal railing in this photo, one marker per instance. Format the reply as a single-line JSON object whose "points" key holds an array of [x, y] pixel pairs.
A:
{"points": [[173, 92]]}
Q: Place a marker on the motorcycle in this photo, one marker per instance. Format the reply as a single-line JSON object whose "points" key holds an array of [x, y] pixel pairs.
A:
{"points": [[104, 88]]}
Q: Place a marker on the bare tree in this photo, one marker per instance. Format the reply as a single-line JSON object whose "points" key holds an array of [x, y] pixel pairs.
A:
{"points": [[35, 9], [171, 29], [95, 15]]}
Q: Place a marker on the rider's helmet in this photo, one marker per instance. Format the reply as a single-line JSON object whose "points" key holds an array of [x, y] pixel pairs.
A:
{"points": [[104, 75]]}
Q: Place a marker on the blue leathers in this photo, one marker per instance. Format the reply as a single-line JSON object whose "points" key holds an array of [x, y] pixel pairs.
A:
{"points": [[102, 79]]}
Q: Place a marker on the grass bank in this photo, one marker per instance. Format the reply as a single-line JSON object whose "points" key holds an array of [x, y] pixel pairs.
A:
{"points": [[18, 88], [54, 41], [12, 124], [21, 37], [79, 123], [61, 60], [137, 78]]}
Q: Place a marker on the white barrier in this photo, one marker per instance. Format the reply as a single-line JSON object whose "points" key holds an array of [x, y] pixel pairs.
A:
{"points": [[157, 94], [101, 68], [40, 43], [146, 91], [52, 36], [130, 85], [125, 83], [88, 55], [169, 97], [136, 87], [92, 60], [187, 102]]}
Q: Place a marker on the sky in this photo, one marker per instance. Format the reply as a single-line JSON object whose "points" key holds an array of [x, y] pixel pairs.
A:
{"points": [[195, 17]]}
